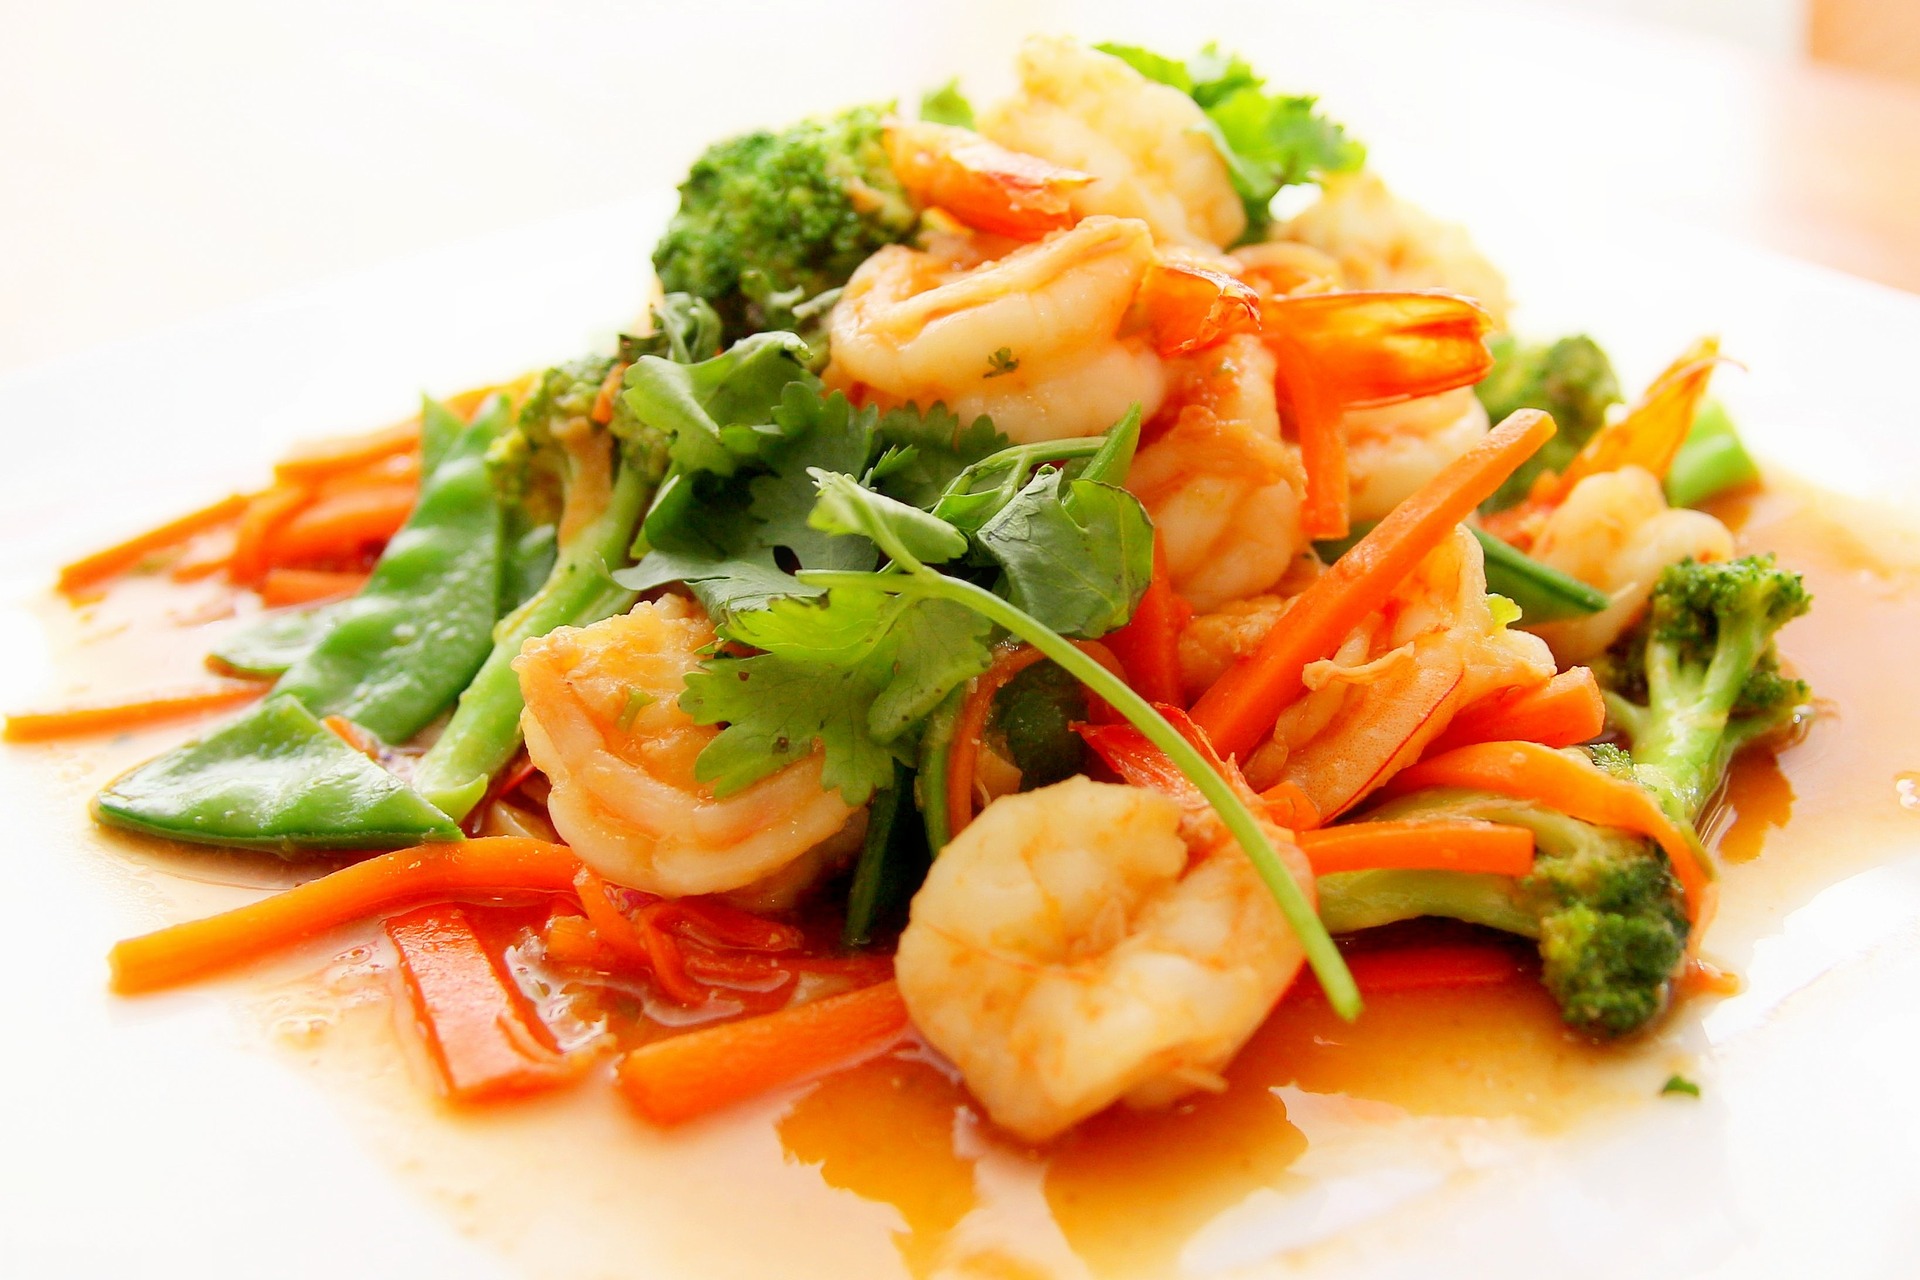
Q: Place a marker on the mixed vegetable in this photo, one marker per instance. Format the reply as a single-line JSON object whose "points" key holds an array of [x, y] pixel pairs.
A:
{"points": [[1014, 588]]}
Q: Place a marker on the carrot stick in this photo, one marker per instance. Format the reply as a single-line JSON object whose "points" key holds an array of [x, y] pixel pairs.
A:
{"points": [[1420, 844], [640, 945], [1563, 712], [318, 460], [1245, 701], [1323, 440], [342, 525], [110, 562], [265, 513], [114, 717], [484, 1044], [1577, 787], [1148, 647], [304, 586], [702, 1071], [1425, 968], [964, 755], [408, 877]]}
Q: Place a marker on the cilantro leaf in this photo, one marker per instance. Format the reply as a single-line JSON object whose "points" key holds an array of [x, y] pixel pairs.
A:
{"points": [[926, 450], [938, 645], [847, 507], [947, 105], [1076, 554], [718, 413], [1268, 141]]}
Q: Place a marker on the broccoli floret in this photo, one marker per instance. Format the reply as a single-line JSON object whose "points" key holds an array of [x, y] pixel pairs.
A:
{"points": [[768, 220], [1603, 904], [1572, 379], [530, 466], [1699, 676]]}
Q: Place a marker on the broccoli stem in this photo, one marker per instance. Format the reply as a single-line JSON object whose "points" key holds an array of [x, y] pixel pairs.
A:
{"points": [[1355, 900], [485, 729], [1684, 745]]}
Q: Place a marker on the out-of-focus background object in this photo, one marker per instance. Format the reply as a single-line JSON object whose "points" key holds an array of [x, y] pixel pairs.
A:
{"points": [[163, 162]]}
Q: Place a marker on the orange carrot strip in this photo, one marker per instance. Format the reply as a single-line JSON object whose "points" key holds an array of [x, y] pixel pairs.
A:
{"points": [[1138, 760], [964, 756], [110, 562], [1243, 704], [1148, 647], [1652, 431], [1322, 432], [484, 1043], [702, 1071], [304, 586], [1563, 712], [603, 403], [1380, 348], [113, 717], [639, 944], [488, 867], [1425, 968], [1190, 307], [1420, 844], [265, 513], [344, 524], [1577, 787], [319, 459]]}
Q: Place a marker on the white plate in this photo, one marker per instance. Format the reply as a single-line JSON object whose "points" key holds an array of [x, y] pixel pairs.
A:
{"points": [[153, 1136]]}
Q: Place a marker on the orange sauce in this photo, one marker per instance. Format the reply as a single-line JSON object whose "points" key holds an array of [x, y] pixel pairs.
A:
{"points": [[887, 1169]]}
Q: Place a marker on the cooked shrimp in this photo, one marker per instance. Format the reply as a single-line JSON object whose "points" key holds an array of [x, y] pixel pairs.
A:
{"points": [[603, 722], [982, 184], [1222, 488], [1284, 268], [1147, 145], [1396, 682], [1034, 338], [1394, 449], [1073, 948], [1616, 532], [1214, 641], [1384, 242]]}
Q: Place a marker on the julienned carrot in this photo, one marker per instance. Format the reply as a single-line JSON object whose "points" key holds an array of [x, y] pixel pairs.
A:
{"points": [[113, 717], [703, 1071], [1420, 844], [640, 944], [1148, 647], [1243, 704], [1563, 712], [111, 561], [487, 867], [265, 513], [1323, 439], [305, 586], [1425, 968], [972, 724], [341, 525], [1650, 434], [1575, 786], [603, 403], [484, 1044], [319, 459]]}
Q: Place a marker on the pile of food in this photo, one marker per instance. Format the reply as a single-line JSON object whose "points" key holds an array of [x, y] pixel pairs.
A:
{"points": [[1013, 590]]}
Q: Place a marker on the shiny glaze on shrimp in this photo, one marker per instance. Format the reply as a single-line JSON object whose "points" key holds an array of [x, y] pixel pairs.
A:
{"points": [[1147, 145], [1396, 681], [603, 722], [1222, 487], [1038, 338], [1074, 947]]}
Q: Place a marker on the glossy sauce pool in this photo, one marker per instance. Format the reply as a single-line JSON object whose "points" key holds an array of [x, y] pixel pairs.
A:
{"points": [[885, 1169]]}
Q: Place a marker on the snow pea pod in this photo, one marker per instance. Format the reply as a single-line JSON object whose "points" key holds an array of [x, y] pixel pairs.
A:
{"points": [[274, 641], [401, 651], [275, 779]]}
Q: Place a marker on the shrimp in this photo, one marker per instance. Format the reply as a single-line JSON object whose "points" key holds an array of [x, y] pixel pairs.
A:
{"points": [[1396, 681], [604, 724], [1212, 642], [1039, 338], [1384, 242], [983, 185], [1147, 145], [1394, 449], [1616, 532], [1074, 947], [1222, 487]]}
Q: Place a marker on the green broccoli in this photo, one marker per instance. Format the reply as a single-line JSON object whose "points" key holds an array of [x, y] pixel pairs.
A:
{"points": [[1699, 677], [768, 221], [1603, 904], [1572, 379]]}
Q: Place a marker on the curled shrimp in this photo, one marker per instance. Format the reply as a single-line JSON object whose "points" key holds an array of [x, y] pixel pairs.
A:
{"points": [[1222, 487], [1394, 449], [1147, 145], [604, 724], [982, 184], [1396, 681], [1074, 947], [1615, 531], [1040, 338]]}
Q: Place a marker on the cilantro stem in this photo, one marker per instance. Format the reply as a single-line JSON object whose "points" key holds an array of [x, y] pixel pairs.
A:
{"points": [[921, 581]]}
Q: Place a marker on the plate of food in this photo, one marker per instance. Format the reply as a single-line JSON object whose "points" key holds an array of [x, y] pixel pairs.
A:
{"points": [[1064, 688]]}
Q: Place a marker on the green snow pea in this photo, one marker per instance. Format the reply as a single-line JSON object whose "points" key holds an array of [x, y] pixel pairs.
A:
{"points": [[401, 651], [274, 641], [275, 779]]}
